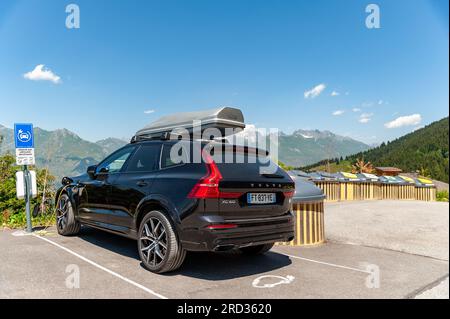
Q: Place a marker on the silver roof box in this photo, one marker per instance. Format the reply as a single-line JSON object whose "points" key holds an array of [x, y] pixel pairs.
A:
{"points": [[220, 118]]}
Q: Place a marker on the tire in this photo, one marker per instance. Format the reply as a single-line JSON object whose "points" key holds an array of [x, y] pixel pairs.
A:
{"points": [[257, 250], [36, 210], [66, 224], [165, 254]]}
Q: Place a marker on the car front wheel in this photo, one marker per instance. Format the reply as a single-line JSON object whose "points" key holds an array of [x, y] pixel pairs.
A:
{"points": [[66, 223], [158, 245]]}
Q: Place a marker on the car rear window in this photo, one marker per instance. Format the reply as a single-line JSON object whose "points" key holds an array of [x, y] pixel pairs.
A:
{"points": [[240, 161], [145, 159], [179, 159]]}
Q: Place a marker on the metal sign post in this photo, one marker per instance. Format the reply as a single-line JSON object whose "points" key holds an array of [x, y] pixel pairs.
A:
{"points": [[27, 182], [24, 141]]}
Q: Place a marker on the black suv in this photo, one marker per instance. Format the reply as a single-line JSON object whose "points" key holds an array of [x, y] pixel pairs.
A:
{"points": [[171, 208]]}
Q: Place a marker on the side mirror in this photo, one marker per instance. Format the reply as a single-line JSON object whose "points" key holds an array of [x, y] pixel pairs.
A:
{"points": [[104, 170], [91, 171], [66, 180]]}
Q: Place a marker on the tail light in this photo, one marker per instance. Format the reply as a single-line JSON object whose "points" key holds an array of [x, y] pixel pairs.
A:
{"points": [[289, 194], [221, 226], [208, 186]]}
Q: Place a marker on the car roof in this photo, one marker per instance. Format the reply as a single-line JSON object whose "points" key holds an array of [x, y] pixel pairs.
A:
{"points": [[203, 142]]}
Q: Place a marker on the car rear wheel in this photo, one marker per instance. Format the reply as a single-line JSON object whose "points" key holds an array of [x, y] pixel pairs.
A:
{"points": [[158, 245], [257, 250], [66, 223]]}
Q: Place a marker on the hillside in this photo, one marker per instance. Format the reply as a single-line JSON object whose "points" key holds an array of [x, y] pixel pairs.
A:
{"points": [[304, 147], [63, 151], [111, 144], [425, 150]]}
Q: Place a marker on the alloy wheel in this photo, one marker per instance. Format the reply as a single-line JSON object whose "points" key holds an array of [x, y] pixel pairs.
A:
{"points": [[62, 212], [153, 242]]}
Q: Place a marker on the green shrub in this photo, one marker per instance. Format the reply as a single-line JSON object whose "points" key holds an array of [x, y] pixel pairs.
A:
{"points": [[12, 210], [442, 196]]}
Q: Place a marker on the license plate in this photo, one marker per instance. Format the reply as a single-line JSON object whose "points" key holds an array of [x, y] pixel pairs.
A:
{"points": [[261, 198]]}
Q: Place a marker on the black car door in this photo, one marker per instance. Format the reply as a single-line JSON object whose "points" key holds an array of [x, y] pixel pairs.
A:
{"points": [[94, 203], [134, 183]]}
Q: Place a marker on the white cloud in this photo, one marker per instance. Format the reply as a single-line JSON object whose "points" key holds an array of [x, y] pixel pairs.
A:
{"points": [[149, 111], [338, 112], [380, 102], [356, 109], [407, 120], [365, 118], [40, 73], [315, 91], [335, 93]]}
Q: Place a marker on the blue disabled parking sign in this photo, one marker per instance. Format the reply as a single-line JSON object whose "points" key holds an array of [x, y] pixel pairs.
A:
{"points": [[24, 141]]}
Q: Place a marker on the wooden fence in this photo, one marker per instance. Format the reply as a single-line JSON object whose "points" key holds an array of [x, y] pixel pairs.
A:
{"points": [[309, 224], [341, 191]]}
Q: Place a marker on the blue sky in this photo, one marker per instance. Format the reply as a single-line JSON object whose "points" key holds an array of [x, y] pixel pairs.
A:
{"points": [[129, 57]]}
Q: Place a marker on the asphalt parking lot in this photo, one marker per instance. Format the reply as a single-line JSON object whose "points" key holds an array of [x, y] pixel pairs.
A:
{"points": [[358, 261]]}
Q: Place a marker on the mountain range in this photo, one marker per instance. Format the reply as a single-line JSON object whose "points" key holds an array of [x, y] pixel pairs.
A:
{"points": [[424, 151], [304, 147], [66, 154]]}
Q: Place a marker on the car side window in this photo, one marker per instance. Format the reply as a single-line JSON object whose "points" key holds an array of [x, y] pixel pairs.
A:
{"points": [[145, 159], [179, 158], [115, 162]]}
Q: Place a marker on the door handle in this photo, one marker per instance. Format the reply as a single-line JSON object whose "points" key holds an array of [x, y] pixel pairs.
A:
{"points": [[142, 183]]}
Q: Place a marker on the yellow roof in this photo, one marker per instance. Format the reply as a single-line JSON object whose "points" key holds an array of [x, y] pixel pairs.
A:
{"points": [[349, 175], [406, 178], [425, 180]]}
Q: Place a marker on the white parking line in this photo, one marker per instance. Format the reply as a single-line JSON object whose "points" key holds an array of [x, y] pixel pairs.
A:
{"points": [[103, 268], [327, 264]]}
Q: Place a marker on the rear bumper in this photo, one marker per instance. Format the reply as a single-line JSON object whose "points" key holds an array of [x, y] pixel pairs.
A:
{"points": [[249, 232]]}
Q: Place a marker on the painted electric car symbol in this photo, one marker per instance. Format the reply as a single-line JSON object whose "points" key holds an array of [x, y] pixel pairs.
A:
{"points": [[23, 136], [281, 280]]}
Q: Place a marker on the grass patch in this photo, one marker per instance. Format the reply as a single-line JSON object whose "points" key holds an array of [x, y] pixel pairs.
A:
{"points": [[342, 166], [442, 196], [19, 220]]}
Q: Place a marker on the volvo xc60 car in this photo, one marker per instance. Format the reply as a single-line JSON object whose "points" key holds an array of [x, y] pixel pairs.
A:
{"points": [[170, 208]]}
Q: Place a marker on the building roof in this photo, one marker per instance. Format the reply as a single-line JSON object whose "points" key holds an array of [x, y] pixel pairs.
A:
{"points": [[349, 175], [388, 169]]}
